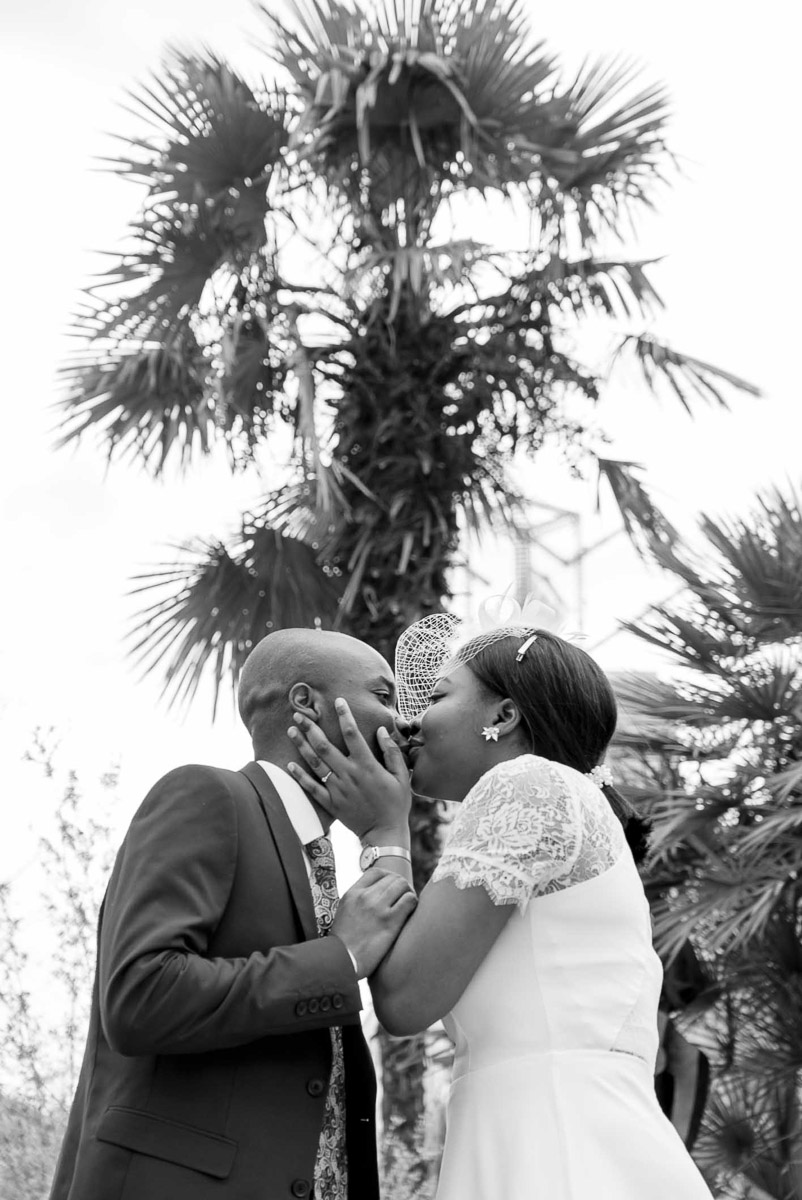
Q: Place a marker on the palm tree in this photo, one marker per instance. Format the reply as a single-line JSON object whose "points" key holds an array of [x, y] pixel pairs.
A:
{"points": [[302, 261], [715, 754]]}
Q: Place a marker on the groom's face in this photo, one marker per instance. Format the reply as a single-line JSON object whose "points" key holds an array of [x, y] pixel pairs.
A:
{"points": [[365, 680]]}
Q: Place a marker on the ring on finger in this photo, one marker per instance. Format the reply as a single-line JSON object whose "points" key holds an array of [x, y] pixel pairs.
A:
{"points": [[324, 778]]}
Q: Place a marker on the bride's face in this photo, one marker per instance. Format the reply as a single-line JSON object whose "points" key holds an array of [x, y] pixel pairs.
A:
{"points": [[448, 753]]}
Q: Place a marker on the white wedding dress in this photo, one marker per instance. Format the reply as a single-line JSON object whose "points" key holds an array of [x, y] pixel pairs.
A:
{"points": [[552, 1096]]}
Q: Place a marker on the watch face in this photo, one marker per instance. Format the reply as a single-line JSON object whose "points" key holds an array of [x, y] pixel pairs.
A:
{"points": [[367, 858]]}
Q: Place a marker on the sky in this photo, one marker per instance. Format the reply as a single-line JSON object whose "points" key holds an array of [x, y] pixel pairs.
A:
{"points": [[74, 532]]}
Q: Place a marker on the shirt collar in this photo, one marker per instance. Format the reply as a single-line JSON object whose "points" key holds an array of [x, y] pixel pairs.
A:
{"points": [[297, 805]]}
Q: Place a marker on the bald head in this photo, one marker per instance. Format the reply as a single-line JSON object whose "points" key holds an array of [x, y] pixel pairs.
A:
{"points": [[329, 664]]}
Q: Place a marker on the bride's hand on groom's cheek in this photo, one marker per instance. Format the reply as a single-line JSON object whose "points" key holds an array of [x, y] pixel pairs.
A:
{"points": [[365, 795]]}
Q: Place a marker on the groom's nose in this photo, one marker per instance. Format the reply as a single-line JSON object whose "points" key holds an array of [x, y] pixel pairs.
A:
{"points": [[402, 726]]}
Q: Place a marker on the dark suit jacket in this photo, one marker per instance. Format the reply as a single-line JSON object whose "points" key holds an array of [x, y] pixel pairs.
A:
{"points": [[208, 1055]]}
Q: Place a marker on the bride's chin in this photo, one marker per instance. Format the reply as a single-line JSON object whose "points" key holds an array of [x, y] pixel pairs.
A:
{"points": [[422, 785], [426, 788]]}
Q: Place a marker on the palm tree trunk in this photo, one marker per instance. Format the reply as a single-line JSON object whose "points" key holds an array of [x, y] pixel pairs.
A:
{"points": [[403, 1072], [391, 432]]}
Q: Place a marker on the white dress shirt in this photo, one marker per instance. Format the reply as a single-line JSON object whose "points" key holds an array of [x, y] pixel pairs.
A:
{"points": [[301, 812]]}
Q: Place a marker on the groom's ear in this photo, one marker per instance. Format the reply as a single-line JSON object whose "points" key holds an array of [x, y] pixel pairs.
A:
{"points": [[306, 700]]}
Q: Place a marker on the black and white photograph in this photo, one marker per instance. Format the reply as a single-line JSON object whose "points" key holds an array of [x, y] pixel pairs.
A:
{"points": [[401, 681]]}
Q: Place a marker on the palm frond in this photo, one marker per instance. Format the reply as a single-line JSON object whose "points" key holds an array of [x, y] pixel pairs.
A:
{"points": [[147, 403], [584, 286], [619, 289], [492, 501], [692, 641], [760, 558], [640, 738], [777, 827], [731, 910], [214, 603], [645, 694], [617, 137], [164, 368], [217, 142], [210, 166], [187, 387], [646, 525], [419, 269], [689, 378], [787, 784], [454, 93], [688, 825], [750, 588], [253, 373], [763, 692], [746, 1134], [745, 691], [725, 853]]}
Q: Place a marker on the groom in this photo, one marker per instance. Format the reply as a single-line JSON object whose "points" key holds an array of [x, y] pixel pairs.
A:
{"points": [[225, 1056]]}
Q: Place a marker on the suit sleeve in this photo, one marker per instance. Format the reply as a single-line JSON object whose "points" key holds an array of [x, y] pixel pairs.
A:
{"points": [[160, 991]]}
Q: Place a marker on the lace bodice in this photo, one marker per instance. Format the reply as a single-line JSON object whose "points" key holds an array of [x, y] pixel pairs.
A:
{"points": [[529, 827]]}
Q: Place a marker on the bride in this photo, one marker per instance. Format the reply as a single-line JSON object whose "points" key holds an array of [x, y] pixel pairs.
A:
{"points": [[532, 942]]}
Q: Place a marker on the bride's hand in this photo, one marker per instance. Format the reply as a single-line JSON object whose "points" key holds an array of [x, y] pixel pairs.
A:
{"points": [[370, 799]]}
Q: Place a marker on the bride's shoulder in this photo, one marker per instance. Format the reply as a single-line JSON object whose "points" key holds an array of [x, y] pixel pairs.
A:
{"points": [[533, 767], [542, 770], [528, 777]]}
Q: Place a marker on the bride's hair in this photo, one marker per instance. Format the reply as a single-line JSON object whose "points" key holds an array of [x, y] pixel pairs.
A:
{"points": [[567, 705]]}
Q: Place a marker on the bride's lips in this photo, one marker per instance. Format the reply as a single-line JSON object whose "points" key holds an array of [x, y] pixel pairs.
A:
{"points": [[413, 747]]}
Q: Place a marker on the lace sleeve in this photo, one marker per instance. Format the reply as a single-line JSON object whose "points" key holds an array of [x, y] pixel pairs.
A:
{"points": [[517, 831]]}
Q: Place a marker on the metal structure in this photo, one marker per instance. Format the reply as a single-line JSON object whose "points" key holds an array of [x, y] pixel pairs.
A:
{"points": [[548, 561]]}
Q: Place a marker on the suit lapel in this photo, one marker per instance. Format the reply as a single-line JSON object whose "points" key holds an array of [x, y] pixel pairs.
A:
{"points": [[289, 848]]}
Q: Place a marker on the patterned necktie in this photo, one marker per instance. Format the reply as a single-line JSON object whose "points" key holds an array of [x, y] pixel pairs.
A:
{"points": [[331, 1166]]}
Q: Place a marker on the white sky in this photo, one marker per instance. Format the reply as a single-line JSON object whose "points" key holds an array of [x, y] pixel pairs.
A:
{"points": [[73, 533]]}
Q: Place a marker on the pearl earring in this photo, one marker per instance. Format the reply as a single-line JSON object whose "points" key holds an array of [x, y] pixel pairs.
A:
{"points": [[490, 733]]}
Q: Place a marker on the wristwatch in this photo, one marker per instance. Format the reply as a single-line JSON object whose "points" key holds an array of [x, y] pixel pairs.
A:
{"points": [[370, 854]]}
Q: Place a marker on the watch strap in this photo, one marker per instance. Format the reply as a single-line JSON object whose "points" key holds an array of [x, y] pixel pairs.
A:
{"points": [[386, 852], [393, 851]]}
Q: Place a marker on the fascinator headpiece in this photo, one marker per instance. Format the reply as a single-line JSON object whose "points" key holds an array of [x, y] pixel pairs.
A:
{"points": [[442, 640]]}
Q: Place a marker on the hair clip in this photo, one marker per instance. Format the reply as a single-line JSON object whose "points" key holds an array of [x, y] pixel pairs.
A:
{"points": [[522, 651], [601, 775]]}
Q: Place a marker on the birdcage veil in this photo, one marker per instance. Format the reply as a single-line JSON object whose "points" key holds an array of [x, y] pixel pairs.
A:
{"points": [[440, 640], [420, 655]]}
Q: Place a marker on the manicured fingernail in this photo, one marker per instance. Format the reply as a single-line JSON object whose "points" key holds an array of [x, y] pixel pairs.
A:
{"points": [[292, 732], [298, 718], [291, 767], [339, 703]]}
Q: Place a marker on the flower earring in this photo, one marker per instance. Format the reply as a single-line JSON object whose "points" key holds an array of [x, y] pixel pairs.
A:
{"points": [[490, 733]]}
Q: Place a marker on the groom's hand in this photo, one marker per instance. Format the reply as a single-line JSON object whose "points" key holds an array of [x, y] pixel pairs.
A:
{"points": [[371, 800], [370, 916]]}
